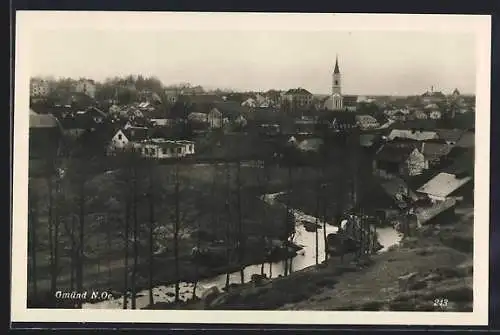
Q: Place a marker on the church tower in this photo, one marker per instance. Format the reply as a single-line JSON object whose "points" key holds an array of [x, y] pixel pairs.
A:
{"points": [[337, 87]]}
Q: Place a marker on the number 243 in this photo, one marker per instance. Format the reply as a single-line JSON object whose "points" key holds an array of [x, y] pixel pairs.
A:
{"points": [[440, 302]]}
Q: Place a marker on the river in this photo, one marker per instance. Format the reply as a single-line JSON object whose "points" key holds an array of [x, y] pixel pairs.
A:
{"points": [[305, 258]]}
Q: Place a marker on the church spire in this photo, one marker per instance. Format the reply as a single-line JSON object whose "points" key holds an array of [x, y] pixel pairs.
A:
{"points": [[336, 70]]}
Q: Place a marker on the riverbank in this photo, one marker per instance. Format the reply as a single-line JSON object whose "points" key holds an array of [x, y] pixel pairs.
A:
{"points": [[431, 271]]}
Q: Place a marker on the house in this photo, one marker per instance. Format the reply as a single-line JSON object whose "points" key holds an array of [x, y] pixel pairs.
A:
{"points": [[435, 114], [443, 186], [86, 86], [420, 115], [398, 116], [124, 138], [450, 136], [434, 151], [298, 97], [274, 97], [250, 102], [215, 119], [432, 97], [232, 111], [419, 135], [337, 121], [157, 148], [162, 122], [391, 160], [172, 95], [39, 87], [45, 134], [350, 102], [435, 213], [365, 122]]}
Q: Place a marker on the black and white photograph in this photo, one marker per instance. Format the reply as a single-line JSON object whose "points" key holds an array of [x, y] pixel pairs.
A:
{"points": [[311, 166]]}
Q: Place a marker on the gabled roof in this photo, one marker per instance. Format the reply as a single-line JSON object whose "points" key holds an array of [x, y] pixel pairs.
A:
{"points": [[426, 214], [136, 134], [432, 150], [443, 184], [42, 120], [366, 118], [230, 109], [394, 154], [299, 90], [336, 70], [427, 124], [412, 134], [452, 135], [349, 100]]}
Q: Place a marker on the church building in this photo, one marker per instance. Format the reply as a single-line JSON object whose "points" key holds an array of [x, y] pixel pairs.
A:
{"points": [[335, 101]]}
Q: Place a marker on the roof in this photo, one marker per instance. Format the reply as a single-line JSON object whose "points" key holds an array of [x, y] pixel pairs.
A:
{"points": [[394, 154], [201, 98], [349, 100], [462, 161], [427, 124], [366, 119], [230, 108], [312, 144], [299, 90], [435, 149], [450, 134], [336, 70], [412, 134], [466, 140], [136, 134], [443, 185], [426, 214], [42, 120], [397, 186]]}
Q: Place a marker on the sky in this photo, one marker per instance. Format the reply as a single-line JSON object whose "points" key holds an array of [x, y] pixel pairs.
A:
{"points": [[371, 62]]}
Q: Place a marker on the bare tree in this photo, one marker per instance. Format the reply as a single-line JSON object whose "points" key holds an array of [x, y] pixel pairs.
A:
{"points": [[151, 232], [33, 207], [241, 239], [135, 233], [176, 233]]}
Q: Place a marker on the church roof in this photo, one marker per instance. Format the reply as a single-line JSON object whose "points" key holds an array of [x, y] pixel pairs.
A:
{"points": [[336, 70]]}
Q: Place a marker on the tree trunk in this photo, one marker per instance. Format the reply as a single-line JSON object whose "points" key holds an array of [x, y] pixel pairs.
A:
{"points": [[151, 240], [74, 257], [50, 222], [34, 243], [176, 234], [135, 239], [241, 239], [228, 222], [127, 249], [56, 238], [81, 246]]}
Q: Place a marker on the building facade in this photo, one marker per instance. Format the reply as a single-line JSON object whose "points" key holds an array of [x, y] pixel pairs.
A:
{"points": [[86, 86], [39, 88]]}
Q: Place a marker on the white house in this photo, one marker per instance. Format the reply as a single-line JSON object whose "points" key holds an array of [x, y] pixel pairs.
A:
{"points": [[124, 138], [412, 134], [442, 186], [367, 122], [161, 149], [435, 115]]}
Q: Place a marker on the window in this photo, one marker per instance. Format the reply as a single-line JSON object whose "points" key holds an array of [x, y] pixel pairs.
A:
{"points": [[336, 82], [164, 151], [153, 151], [120, 136], [179, 150]]}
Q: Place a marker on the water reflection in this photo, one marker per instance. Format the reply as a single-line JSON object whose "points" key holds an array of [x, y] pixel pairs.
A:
{"points": [[305, 258]]}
